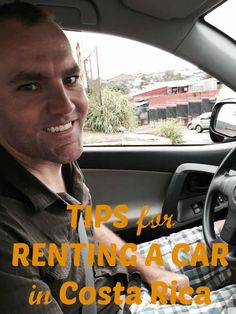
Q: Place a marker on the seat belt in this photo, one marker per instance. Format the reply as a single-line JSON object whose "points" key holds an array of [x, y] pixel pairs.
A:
{"points": [[88, 271], [89, 277]]}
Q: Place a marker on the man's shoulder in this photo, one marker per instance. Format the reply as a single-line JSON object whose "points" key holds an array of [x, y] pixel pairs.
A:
{"points": [[14, 218], [9, 205]]}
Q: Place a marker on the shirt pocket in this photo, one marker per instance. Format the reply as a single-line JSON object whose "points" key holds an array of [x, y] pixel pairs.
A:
{"points": [[58, 271]]}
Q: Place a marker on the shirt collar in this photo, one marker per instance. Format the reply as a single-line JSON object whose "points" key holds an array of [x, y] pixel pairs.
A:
{"points": [[39, 194]]}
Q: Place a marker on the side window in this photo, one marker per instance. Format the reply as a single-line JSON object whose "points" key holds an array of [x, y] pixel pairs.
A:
{"points": [[141, 95]]}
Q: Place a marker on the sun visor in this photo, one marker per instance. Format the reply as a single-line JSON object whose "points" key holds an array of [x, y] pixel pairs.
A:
{"points": [[70, 13]]}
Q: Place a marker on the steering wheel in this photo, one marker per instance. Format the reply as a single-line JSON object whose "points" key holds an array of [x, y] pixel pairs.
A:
{"points": [[225, 183]]}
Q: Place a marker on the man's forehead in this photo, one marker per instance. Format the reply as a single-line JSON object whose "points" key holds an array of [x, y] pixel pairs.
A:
{"points": [[25, 59], [37, 43], [15, 31], [42, 49]]}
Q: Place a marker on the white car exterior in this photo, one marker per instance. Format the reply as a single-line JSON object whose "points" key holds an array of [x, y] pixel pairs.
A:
{"points": [[201, 123]]}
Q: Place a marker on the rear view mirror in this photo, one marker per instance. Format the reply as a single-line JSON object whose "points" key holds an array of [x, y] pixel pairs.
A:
{"points": [[223, 121]]}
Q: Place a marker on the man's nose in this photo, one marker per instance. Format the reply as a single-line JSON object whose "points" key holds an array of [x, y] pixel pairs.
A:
{"points": [[60, 101]]}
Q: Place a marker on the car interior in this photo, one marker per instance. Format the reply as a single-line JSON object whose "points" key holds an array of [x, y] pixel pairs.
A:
{"points": [[170, 180]]}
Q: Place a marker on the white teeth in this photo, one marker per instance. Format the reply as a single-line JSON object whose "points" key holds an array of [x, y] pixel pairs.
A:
{"points": [[59, 128]]}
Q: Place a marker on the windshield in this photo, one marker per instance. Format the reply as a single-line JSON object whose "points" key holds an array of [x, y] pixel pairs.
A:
{"points": [[223, 18]]}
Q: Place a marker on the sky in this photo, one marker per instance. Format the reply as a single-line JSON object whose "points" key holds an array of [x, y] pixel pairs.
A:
{"points": [[223, 18], [118, 55]]}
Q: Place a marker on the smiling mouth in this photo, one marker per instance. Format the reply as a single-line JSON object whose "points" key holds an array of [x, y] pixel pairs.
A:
{"points": [[59, 128]]}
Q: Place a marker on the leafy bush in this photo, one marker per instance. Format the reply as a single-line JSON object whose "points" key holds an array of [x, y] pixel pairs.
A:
{"points": [[115, 112], [171, 129]]}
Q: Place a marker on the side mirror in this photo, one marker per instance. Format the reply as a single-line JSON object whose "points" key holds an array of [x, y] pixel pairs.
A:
{"points": [[223, 121]]}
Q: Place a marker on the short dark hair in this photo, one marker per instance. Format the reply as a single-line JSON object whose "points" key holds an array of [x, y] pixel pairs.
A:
{"points": [[24, 12]]}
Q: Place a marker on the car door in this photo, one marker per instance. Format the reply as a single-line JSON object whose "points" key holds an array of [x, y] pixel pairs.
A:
{"points": [[205, 120], [139, 176]]}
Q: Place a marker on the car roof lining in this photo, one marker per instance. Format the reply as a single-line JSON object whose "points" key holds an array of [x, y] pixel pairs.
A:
{"points": [[162, 23], [89, 10], [169, 9]]}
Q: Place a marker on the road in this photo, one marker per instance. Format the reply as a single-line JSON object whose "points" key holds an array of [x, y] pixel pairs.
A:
{"points": [[192, 137], [144, 136]]}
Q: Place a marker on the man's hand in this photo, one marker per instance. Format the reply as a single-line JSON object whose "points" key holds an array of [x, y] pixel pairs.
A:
{"points": [[148, 273], [154, 273]]}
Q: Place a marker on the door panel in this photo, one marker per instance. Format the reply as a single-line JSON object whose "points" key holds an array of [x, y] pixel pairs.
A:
{"points": [[139, 176], [152, 158], [134, 188]]}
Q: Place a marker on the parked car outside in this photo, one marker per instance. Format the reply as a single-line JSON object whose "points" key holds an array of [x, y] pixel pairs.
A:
{"points": [[200, 123]]}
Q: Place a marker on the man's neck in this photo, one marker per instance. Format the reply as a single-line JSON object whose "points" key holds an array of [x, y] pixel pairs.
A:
{"points": [[49, 173], [51, 176]]}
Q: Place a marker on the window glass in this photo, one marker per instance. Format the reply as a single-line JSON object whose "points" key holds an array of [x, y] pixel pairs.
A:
{"points": [[141, 95], [223, 18]]}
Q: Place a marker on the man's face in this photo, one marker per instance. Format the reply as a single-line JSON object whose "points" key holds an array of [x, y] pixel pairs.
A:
{"points": [[42, 103]]}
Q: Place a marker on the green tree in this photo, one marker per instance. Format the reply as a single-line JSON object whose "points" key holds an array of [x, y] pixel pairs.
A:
{"points": [[171, 129], [119, 87], [171, 75], [114, 113]]}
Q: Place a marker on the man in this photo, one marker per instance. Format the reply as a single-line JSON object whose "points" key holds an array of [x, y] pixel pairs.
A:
{"points": [[42, 111]]}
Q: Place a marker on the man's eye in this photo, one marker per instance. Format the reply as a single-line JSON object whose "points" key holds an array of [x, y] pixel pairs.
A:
{"points": [[71, 80], [28, 87]]}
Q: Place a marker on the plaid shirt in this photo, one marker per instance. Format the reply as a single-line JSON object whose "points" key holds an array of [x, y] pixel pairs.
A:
{"points": [[223, 295]]}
